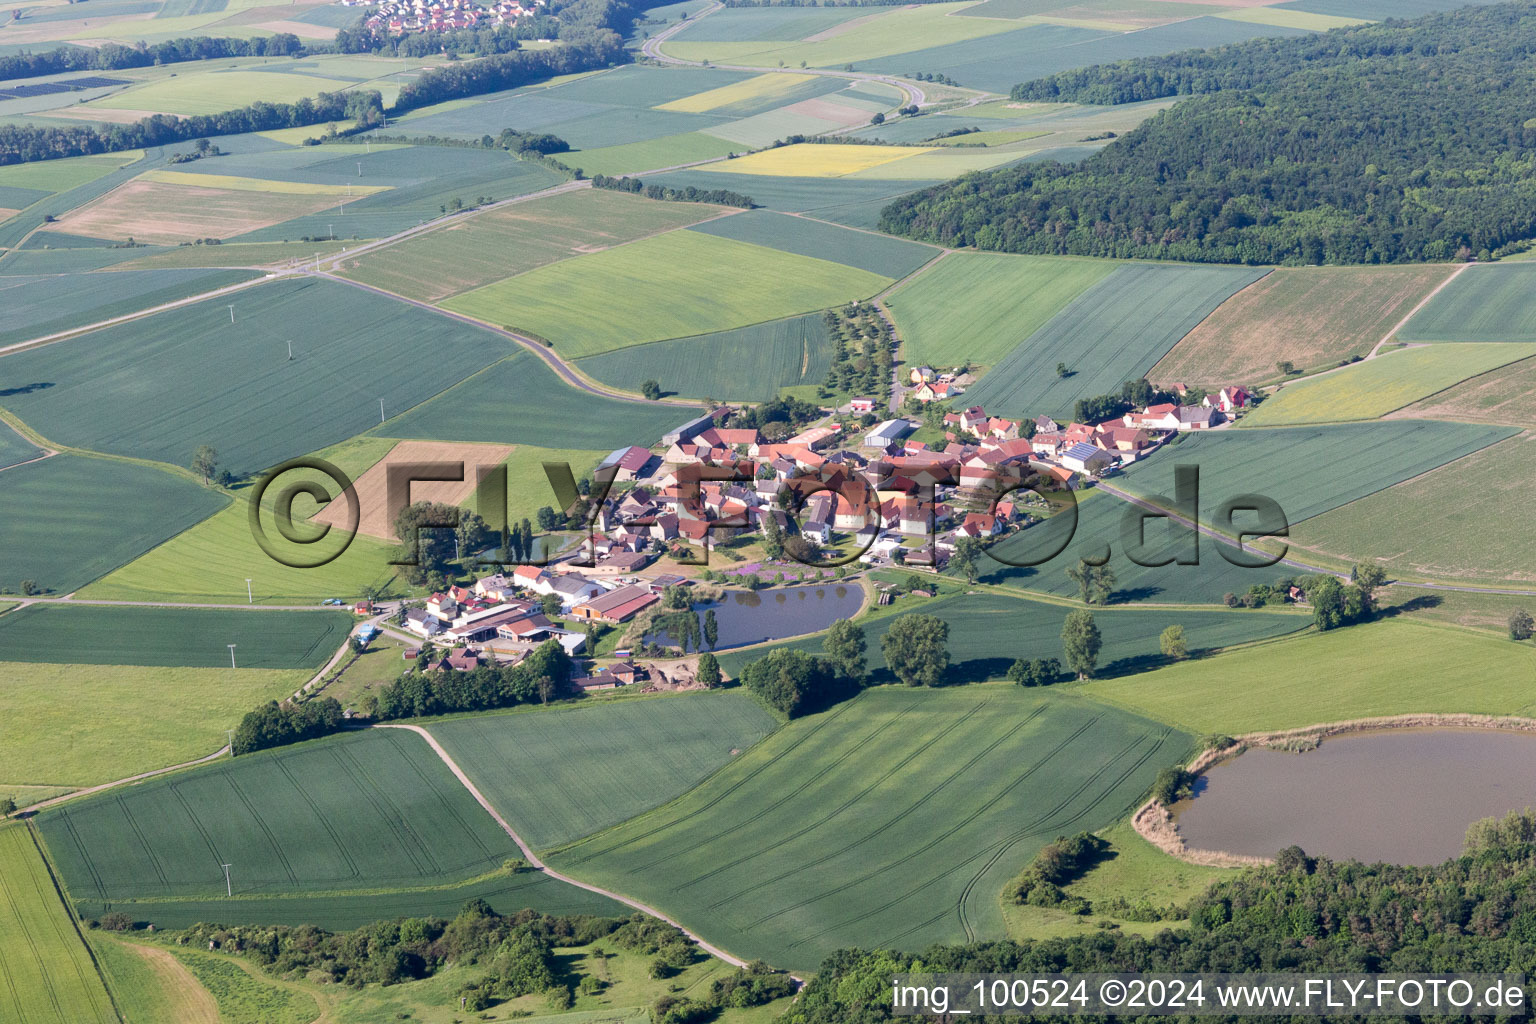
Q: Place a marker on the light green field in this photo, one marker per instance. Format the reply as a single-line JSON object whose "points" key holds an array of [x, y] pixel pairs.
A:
{"points": [[886, 33], [1455, 523], [528, 487], [1506, 395], [818, 160], [63, 175], [151, 990], [26, 796], [669, 286], [235, 254], [978, 306], [216, 92], [47, 975], [652, 154], [486, 247], [1483, 303], [761, 87], [634, 755], [893, 820], [945, 163], [65, 725], [1379, 668], [210, 562], [1378, 386], [1000, 137], [1282, 17]]}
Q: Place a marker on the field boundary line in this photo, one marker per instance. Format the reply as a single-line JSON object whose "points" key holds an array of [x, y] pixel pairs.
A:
{"points": [[533, 858], [1421, 304], [74, 921]]}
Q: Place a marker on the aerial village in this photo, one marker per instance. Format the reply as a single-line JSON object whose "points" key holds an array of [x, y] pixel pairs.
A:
{"points": [[403, 17], [844, 492]]}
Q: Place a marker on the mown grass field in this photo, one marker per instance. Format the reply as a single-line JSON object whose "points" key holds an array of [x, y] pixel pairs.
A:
{"points": [[244, 998], [1114, 331], [80, 725], [148, 983], [1309, 316], [1379, 668], [215, 92], [37, 306], [668, 286], [562, 774], [893, 820], [811, 160], [653, 154], [1378, 386], [988, 631], [1505, 395], [1487, 303], [63, 175], [173, 637], [489, 246], [747, 364], [979, 306], [158, 387], [750, 96], [1309, 470], [520, 401], [1458, 522], [48, 976], [888, 32], [878, 254], [64, 521], [373, 810]]}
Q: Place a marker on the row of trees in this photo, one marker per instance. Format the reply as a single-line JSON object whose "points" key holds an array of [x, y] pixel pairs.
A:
{"points": [[538, 679], [1397, 142], [687, 194], [20, 143]]}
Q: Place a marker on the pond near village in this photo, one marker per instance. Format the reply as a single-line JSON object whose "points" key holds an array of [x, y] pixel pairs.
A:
{"points": [[745, 617], [1403, 796]]}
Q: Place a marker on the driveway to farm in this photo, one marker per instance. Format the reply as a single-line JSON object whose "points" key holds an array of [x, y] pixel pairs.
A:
{"points": [[533, 859], [1294, 563], [652, 49]]}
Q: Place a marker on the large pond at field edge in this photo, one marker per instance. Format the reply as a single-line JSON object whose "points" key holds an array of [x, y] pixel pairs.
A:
{"points": [[1403, 796], [744, 617]]}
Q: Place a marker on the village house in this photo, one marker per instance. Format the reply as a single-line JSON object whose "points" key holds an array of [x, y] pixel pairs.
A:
{"points": [[1084, 458], [1228, 400], [616, 606]]}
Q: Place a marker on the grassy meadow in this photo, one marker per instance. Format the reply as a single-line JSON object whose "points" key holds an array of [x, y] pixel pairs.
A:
{"points": [[81, 725], [608, 300], [1310, 316], [892, 820], [1378, 386], [1379, 668], [1505, 395], [634, 755], [48, 977], [486, 247], [878, 254]]}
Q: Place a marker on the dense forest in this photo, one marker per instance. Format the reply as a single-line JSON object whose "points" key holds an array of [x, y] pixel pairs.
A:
{"points": [[1398, 142], [1477, 912]]}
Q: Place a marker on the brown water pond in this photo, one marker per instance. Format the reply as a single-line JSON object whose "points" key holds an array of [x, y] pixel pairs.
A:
{"points": [[1402, 796]]}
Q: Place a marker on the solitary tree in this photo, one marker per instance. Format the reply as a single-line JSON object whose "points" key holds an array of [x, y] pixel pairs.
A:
{"points": [[773, 536], [845, 648], [651, 389], [1286, 367], [205, 462], [1080, 642], [1095, 583], [967, 558], [28, 587], [1173, 644], [1326, 595], [550, 605], [1034, 672], [590, 647], [1062, 371], [1521, 625], [711, 628], [1368, 576], [916, 649], [7, 807], [709, 670]]}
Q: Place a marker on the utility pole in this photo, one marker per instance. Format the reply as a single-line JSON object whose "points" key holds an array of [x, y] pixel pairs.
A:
{"points": [[231, 314], [290, 350], [231, 655], [381, 410], [249, 597], [332, 229], [359, 173], [228, 889]]}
